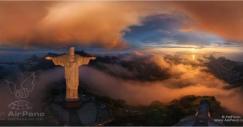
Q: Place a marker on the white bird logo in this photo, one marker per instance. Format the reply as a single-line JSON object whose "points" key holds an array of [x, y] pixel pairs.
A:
{"points": [[21, 93]]}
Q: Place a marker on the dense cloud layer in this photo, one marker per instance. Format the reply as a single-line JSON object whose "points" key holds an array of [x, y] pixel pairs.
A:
{"points": [[103, 23], [185, 80]]}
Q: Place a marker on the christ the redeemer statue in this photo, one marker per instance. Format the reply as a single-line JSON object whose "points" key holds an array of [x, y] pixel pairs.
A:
{"points": [[71, 63]]}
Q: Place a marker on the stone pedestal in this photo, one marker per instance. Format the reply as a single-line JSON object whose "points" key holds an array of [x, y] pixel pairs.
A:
{"points": [[72, 104]]}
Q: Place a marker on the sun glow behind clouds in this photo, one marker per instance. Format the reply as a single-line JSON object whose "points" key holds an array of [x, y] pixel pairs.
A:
{"points": [[195, 49], [194, 53], [193, 57]]}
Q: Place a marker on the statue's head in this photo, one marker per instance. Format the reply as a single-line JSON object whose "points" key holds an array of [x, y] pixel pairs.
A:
{"points": [[72, 54]]}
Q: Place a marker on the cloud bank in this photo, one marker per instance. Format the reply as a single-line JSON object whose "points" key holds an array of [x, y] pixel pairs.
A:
{"points": [[184, 80], [66, 23], [103, 24]]}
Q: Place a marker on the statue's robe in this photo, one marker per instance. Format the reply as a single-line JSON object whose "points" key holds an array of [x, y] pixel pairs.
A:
{"points": [[71, 73]]}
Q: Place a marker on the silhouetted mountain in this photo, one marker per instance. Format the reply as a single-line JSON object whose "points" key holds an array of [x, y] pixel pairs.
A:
{"points": [[2, 72], [36, 63], [82, 53], [227, 70], [134, 69]]}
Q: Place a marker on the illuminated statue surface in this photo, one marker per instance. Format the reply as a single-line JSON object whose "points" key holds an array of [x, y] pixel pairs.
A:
{"points": [[71, 63]]}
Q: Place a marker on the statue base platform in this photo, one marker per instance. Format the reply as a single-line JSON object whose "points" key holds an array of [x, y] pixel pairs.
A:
{"points": [[72, 104]]}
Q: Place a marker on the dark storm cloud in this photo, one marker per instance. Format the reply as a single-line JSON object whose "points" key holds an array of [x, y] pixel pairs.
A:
{"points": [[169, 28]]}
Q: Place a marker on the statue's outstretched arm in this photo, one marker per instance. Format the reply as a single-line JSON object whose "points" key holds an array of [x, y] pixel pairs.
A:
{"points": [[60, 60], [84, 60], [48, 58]]}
